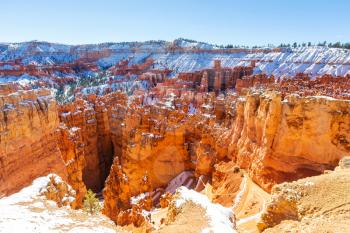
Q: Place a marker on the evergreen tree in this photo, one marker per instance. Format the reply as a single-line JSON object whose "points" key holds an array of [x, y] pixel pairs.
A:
{"points": [[91, 203]]}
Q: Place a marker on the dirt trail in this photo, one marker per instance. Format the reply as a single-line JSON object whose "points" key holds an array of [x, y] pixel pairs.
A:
{"points": [[249, 205]]}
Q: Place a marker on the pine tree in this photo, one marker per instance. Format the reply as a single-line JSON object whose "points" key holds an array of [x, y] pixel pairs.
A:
{"points": [[91, 203]]}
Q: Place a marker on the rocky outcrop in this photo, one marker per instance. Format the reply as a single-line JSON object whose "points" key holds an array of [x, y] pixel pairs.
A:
{"points": [[91, 119], [226, 182], [41, 207], [258, 80], [72, 152], [301, 84], [33, 143], [310, 204], [159, 142], [28, 139], [58, 191], [279, 140], [149, 146]]}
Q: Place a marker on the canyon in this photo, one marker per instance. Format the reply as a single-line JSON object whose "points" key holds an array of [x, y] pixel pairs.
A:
{"points": [[102, 68], [253, 149]]}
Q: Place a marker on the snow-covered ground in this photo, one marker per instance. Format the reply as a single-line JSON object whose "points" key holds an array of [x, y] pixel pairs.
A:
{"points": [[314, 60], [29, 212], [219, 217]]}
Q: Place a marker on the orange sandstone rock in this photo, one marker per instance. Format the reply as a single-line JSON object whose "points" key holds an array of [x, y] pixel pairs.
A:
{"points": [[71, 147], [28, 140], [282, 140]]}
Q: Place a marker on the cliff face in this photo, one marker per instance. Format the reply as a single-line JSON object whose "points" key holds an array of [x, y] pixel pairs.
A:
{"points": [[33, 143], [310, 204], [91, 119], [28, 139], [72, 152], [155, 142], [173, 135], [282, 140], [149, 144]]}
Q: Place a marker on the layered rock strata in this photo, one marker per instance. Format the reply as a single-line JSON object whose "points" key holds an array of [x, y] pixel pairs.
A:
{"points": [[33, 143], [28, 139], [279, 140], [91, 118], [156, 142]]}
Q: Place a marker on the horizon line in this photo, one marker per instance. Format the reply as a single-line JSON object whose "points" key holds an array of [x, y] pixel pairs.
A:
{"points": [[185, 39]]}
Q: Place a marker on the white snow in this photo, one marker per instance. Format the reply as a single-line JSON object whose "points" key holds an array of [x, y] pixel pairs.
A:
{"points": [[314, 60], [27, 211], [219, 217], [135, 199]]}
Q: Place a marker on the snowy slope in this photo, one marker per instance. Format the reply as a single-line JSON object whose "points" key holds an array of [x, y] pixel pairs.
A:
{"points": [[219, 217], [27, 211], [312, 60]]}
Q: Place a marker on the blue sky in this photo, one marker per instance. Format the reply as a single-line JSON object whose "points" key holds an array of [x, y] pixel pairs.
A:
{"points": [[243, 22]]}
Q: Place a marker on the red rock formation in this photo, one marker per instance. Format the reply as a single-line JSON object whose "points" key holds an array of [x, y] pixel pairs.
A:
{"points": [[216, 79], [132, 216], [226, 182], [92, 118], [309, 204], [302, 84], [72, 152], [162, 140], [165, 200], [259, 80], [58, 191], [280, 140], [123, 68], [33, 144], [148, 142], [28, 140], [49, 70], [142, 142]]}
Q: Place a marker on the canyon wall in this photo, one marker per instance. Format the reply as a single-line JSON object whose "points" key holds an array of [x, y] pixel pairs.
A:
{"points": [[275, 136], [28, 139], [34, 143], [71, 146], [158, 141], [279, 140], [91, 119], [128, 145], [149, 151]]}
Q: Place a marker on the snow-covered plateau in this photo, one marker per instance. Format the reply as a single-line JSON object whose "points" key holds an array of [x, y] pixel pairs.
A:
{"points": [[184, 56], [101, 68]]}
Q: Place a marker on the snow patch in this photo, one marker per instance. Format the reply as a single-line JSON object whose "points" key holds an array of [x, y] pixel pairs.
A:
{"points": [[28, 211], [219, 216]]}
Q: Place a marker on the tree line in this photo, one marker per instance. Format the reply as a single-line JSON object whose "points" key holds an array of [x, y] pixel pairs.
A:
{"points": [[294, 45]]}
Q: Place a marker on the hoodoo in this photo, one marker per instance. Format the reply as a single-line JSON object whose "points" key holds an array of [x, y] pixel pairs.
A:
{"points": [[160, 141], [28, 139]]}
